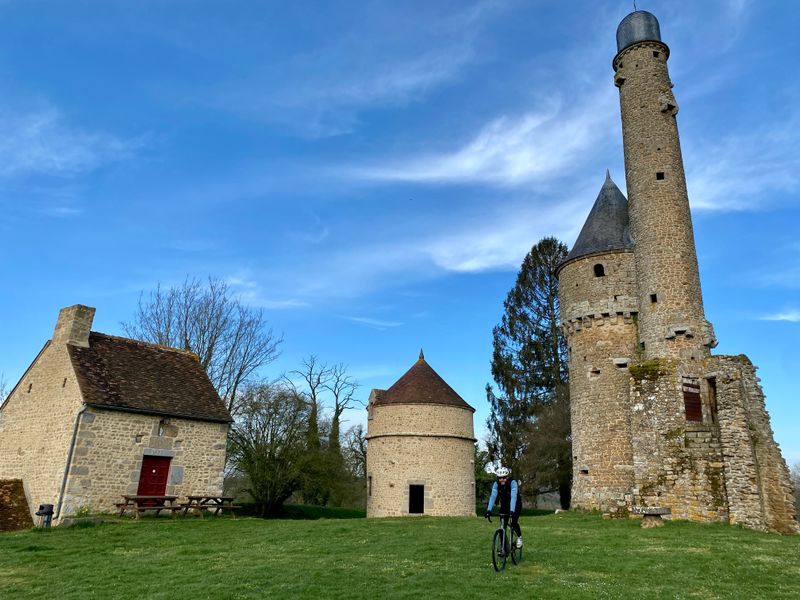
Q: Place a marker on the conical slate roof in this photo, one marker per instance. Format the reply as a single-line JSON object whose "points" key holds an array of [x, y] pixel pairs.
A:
{"points": [[607, 226], [421, 385]]}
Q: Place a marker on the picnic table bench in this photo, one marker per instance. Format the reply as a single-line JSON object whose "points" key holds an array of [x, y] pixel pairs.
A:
{"points": [[141, 504], [207, 502]]}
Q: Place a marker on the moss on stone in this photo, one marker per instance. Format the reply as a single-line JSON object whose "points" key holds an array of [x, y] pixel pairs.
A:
{"points": [[650, 370]]}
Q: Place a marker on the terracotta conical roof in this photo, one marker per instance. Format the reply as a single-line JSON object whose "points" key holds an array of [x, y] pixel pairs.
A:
{"points": [[607, 227], [421, 385]]}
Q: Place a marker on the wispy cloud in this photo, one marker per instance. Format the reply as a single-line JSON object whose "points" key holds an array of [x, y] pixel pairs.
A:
{"points": [[742, 170], [788, 315], [378, 324], [382, 58], [41, 142], [510, 151]]}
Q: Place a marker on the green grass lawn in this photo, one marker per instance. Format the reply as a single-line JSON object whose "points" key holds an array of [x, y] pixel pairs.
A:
{"points": [[566, 556]]}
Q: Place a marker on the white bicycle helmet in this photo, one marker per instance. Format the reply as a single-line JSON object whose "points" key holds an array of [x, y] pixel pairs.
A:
{"points": [[502, 472]]}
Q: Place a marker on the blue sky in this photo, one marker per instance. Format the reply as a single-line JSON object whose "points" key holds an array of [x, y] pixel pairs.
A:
{"points": [[373, 173]]}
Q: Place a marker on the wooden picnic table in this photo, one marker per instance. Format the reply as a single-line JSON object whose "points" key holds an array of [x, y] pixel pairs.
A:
{"points": [[141, 504], [208, 502]]}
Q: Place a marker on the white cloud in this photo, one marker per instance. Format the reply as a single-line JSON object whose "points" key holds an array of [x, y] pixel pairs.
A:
{"points": [[40, 142], [378, 324], [792, 316], [512, 151], [741, 172]]}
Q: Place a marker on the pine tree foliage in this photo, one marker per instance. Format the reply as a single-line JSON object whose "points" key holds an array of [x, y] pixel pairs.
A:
{"points": [[529, 366]]}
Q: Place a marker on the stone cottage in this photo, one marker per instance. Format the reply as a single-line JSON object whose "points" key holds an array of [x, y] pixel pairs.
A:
{"points": [[420, 459], [97, 416], [657, 420]]}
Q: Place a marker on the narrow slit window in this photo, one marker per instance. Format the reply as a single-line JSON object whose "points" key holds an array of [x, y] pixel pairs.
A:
{"points": [[660, 175], [599, 270], [584, 471], [369, 485]]}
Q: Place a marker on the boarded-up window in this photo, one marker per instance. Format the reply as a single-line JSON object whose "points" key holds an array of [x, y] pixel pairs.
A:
{"points": [[691, 400]]}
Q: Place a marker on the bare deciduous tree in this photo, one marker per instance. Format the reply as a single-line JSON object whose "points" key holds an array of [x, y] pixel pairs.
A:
{"points": [[232, 341], [5, 388], [266, 443], [315, 376], [355, 451], [342, 387], [795, 474]]}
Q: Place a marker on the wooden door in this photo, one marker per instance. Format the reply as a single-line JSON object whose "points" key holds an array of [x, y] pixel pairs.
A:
{"points": [[153, 478]]}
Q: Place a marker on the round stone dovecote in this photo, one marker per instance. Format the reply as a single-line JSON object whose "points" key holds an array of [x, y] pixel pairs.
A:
{"points": [[420, 458]]}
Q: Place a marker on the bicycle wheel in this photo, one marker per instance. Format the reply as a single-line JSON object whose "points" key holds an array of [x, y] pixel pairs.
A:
{"points": [[499, 553], [516, 553]]}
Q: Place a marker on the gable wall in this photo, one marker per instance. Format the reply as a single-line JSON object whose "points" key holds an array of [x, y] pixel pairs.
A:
{"points": [[107, 460], [36, 426]]}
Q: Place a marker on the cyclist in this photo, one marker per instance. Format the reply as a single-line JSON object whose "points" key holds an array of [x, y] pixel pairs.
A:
{"points": [[507, 490]]}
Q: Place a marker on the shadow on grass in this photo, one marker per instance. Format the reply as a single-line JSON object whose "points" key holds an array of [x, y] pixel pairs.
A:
{"points": [[304, 512]]}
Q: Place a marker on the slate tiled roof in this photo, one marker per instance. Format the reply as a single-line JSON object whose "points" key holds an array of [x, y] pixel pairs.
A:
{"points": [[607, 227], [421, 385], [124, 374]]}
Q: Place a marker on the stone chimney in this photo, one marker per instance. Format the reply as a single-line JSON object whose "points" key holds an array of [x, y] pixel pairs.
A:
{"points": [[73, 325]]}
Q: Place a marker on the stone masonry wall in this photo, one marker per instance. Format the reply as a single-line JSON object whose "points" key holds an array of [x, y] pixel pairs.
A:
{"points": [[677, 465], [599, 321], [420, 444], [757, 478], [658, 205], [36, 425], [107, 459]]}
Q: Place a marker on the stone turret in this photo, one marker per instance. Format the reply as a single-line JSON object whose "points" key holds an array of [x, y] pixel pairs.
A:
{"points": [[598, 305], [672, 322], [421, 448], [658, 422]]}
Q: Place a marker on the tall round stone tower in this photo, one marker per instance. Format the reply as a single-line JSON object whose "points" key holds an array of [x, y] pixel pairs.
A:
{"points": [[420, 459], [597, 289], [672, 322]]}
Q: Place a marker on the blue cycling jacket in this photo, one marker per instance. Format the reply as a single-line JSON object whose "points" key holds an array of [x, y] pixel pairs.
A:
{"points": [[508, 497]]}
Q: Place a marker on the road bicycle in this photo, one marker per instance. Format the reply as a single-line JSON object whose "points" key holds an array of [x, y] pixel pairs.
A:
{"points": [[504, 544]]}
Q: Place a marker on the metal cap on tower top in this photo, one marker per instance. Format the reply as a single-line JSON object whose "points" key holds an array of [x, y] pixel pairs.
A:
{"points": [[639, 26]]}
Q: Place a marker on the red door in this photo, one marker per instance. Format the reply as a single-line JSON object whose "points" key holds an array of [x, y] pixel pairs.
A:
{"points": [[153, 478]]}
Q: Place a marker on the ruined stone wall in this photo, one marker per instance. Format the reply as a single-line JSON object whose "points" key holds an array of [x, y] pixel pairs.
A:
{"points": [[420, 444], [599, 320], [36, 425], [677, 464], [756, 475], [672, 321], [107, 459]]}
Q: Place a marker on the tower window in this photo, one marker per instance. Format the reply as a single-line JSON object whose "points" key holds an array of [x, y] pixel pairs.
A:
{"points": [[599, 270], [660, 175], [369, 485], [691, 400], [653, 298], [656, 54]]}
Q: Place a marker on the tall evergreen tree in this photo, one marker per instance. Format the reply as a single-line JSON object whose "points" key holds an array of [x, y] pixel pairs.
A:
{"points": [[529, 367]]}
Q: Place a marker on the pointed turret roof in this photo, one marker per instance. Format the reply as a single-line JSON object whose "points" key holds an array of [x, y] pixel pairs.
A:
{"points": [[421, 385], [607, 227]]}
